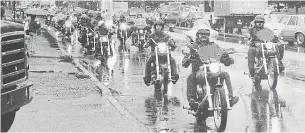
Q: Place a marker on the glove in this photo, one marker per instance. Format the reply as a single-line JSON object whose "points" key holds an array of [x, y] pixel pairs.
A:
{"points": [[193, 104], [226, 59]]}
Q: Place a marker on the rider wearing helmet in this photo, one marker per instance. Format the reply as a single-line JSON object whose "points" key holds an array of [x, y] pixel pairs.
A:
{"points": [[259, 22], [159, 36], [210, 50]]}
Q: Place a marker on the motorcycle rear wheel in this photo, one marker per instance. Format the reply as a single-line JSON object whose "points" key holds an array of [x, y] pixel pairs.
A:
{"points": [[220, 109], [272, 73]]}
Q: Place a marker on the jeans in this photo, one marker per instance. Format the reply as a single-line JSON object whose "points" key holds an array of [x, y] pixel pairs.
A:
{"points": [[199, 78], [256, 52]]}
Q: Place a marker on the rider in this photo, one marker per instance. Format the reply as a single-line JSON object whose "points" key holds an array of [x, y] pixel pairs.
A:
{"points": [[68, 26], [252, 53], [103, 30], [197, 75], [119, 36], [159, 36]]}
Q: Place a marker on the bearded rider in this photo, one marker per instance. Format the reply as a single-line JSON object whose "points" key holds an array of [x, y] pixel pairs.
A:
{"points": [[197, 76], [159, 36], [253, 49]]}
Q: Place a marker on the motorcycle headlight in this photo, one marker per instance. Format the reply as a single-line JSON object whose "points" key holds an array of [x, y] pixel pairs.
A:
{"points": [[124, 26], [269, 45], [104, 39], [141, 31], [214, 67], [90, 34], [96, 36], [162, 47]]}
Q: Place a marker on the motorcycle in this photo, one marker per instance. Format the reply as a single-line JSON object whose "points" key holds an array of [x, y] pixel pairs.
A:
{"points": [[90, 41], [140, 38], [266, 64], [68, 37], [161, 69], [123, 32], [213, 96]]}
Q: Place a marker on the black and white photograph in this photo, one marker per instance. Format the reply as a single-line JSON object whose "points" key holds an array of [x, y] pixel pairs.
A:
{"points": [[152, 66]]}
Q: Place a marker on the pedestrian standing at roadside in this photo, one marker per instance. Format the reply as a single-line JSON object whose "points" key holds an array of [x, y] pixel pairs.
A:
{"points": [[33, 27], [239, 25]]}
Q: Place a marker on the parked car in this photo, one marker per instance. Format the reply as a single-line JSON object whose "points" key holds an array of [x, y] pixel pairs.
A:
{"points": [[191, 29], [294, 29]]}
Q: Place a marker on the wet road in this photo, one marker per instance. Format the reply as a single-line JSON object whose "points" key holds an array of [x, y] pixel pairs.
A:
{"points": [[267, 111], [254, 112]]}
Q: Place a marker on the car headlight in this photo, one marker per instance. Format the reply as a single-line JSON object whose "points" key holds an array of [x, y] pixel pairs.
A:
{"points": [[90, 34]]}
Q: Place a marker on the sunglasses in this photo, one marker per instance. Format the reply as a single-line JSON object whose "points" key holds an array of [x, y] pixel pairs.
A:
{"points": [[203, 34], [259, 22]]}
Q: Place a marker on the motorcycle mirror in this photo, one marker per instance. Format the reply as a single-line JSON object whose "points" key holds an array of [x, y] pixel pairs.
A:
{"points": [[265, 34]]}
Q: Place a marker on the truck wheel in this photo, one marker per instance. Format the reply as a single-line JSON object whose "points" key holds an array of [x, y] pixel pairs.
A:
{"points": [[7, 121]]}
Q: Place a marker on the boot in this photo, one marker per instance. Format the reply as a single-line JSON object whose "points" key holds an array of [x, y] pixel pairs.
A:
{"points": [[146, 80], [281, 66], [175, 78], [233, 100]]}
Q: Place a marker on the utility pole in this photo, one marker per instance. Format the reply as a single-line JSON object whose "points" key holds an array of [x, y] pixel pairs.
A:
{"points": [[14, 9]]}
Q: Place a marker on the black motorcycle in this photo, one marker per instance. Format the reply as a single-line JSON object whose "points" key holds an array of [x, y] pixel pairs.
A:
{"points": [[140, 36]]}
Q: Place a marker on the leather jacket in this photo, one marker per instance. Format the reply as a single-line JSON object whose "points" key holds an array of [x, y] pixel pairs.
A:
{"points": [[159, 37]]}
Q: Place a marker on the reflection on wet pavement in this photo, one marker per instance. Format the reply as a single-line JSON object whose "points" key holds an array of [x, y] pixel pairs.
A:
{"points": [[157, 113], [266, 110]]}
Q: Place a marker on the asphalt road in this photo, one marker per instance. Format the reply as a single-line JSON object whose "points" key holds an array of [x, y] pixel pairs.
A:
{"points": [[253, 113]]}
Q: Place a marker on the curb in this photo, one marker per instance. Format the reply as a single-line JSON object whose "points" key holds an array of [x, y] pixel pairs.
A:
{"points": [[105, 91]]}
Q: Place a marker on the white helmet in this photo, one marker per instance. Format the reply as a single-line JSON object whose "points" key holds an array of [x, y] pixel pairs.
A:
{"points": [[100, 23]]}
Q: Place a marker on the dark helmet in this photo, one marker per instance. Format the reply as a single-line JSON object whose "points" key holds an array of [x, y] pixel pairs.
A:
{"points": [[204, 32], [122, 17], [159, 22], [259, 18]]}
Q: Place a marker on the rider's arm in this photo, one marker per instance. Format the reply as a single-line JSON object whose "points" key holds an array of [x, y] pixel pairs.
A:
{"points": [[186, 61]]}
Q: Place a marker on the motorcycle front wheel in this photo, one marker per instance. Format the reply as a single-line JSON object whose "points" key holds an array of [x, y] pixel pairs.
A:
{"points": [[220, 109], [272, 73]]}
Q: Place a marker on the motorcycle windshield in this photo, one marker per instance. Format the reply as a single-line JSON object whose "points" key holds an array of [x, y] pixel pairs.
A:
{"points": [[265, 34], [162, 48]]}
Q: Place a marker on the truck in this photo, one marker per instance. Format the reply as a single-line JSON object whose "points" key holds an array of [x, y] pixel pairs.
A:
{"points": [[120, 6], [16, 91], [230, 11]]}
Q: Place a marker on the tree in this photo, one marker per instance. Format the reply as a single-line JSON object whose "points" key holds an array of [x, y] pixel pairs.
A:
{"points": [[296, 4]]}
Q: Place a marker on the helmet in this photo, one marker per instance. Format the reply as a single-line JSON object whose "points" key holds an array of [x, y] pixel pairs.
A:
{"points": [[159, 22], [122, 17], [203, 31], [259, 18]]}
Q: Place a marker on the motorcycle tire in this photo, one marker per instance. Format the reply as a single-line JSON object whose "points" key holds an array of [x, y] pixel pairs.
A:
{"points": [[273, 83], [165, 82], [219, 95]]}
